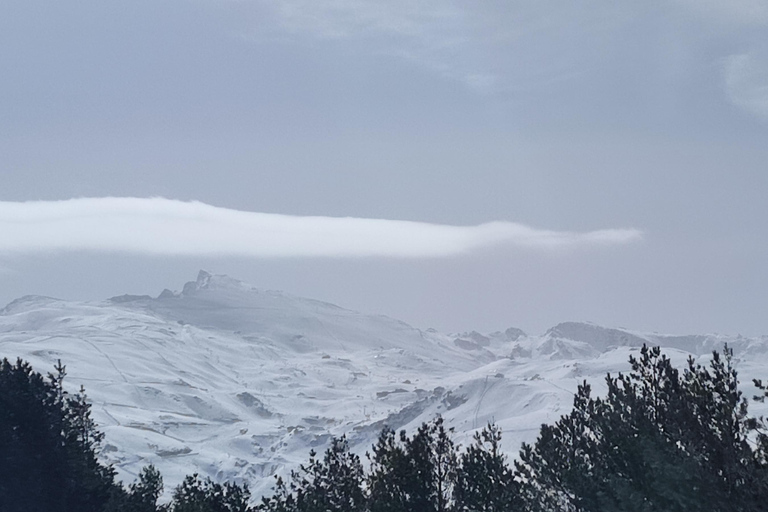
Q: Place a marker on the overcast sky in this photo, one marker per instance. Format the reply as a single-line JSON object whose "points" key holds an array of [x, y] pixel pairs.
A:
{"points": [[457, 165]]}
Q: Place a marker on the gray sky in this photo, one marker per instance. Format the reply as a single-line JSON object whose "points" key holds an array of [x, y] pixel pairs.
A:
{"points": [[556, 120]]}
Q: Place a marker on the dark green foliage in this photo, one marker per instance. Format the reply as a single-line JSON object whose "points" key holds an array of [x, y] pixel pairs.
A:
{"points": [[31, 421], [444, 464], [432, 454], [48, 445], [659, 440], [143, 495], [333, 484], [389, 475], [282, 499], [484, 480], [759, 426], [196, 495], [415, 474]]}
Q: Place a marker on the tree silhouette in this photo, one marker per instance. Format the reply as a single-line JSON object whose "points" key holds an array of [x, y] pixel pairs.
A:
{"points": [[485, 482], [48, 446], [659, 440]]}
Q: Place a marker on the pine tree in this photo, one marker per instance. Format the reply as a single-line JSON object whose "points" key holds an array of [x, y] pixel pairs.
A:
{"points": [[445, 464], [333, 484], [197, 495], [414, 474], [421, 485], [387, 480], [143, 495], [484, 480], [48, 446], [659, 440], [91, 484], [282, 500], [557, 472]]}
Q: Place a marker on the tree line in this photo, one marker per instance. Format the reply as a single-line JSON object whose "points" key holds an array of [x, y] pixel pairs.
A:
{"points": [[661, 439]]}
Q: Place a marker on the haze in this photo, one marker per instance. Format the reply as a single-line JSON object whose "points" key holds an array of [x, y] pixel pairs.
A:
{"points": [[621, 146]]}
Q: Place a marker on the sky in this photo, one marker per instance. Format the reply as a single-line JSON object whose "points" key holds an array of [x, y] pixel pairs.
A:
{"points": [[455, 165]]}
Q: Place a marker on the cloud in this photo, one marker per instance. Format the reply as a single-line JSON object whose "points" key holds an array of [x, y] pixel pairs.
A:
{"points": [[485, 46], [158, 226], [509, 47], [430, 33], [746, 84]]}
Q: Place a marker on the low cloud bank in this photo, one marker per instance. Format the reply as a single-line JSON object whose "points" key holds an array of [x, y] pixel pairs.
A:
{"points": [[158, 226]]}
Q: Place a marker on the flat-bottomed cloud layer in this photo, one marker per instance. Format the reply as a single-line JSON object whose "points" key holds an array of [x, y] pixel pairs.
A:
{"points": [[171, 227]]}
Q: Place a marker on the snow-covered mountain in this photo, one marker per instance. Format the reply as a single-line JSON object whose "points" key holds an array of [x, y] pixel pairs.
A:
{"points": [[239, 383]]}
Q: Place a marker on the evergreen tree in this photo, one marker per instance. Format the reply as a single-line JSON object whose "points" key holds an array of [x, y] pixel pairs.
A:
{"points": [[557, 470], [432, 457], [143, 495], [91, 485], [415, 474], [333, 484], [282, 499], [389, 475], [197, 495], [421, 486], [484, 480], [48, 446], [659, 440], [445, 464], [758, 428]]}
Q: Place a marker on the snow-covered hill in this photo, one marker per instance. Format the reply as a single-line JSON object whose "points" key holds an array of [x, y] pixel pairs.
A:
{"points": [[239, 383]]}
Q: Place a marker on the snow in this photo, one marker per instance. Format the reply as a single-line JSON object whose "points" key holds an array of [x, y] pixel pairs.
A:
{"points": [[235, 382]]}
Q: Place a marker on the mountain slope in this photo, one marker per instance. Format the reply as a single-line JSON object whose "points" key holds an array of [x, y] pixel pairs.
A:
{"points": [[236, 382]]}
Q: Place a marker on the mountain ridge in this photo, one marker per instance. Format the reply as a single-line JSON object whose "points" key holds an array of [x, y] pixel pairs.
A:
{"points": [[239, 383]]}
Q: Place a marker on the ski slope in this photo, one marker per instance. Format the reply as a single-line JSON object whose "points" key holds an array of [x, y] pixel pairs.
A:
{"points": [[235, 382]]}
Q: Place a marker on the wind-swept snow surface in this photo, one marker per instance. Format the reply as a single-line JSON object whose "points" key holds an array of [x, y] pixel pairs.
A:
{"points": [[235, 382]]}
